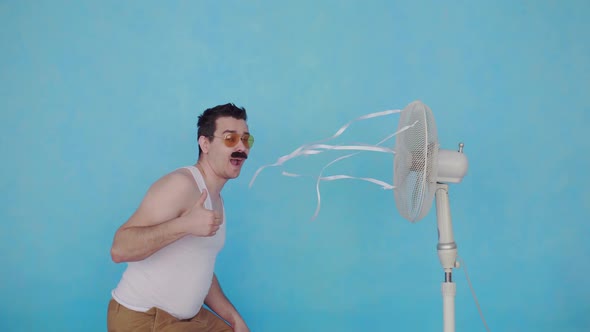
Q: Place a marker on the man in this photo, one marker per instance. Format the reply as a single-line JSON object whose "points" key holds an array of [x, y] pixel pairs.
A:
{"points": [[172, 240]]}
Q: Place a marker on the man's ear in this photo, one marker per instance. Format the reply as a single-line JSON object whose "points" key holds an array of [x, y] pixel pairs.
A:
{"points": [[204, 144]]}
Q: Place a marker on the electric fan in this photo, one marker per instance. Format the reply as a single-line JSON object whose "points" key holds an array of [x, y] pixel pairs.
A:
{"points": [[421, 173]]}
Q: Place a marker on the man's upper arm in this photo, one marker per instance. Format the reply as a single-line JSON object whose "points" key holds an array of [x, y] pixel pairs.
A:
{"points": [[166, 199]]}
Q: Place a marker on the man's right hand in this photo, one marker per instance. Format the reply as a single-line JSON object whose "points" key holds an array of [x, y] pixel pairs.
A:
{"points": [[201, 221]]}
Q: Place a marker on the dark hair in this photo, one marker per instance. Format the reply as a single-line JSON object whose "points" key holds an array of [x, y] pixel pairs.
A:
{"points": [[206, 123]]}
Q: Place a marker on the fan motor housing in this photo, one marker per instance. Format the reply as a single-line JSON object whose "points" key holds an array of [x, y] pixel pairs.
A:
{"points": [[452, 166]]}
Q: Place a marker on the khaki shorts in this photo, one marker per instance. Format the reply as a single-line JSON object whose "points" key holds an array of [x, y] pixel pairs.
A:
{"points": [[121, 319]]}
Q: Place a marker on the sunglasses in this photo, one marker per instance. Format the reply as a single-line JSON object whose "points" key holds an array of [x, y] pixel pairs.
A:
{"points": [[231, 139]]}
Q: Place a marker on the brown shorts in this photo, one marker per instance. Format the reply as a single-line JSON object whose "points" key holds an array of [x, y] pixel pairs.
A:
{"points": [[121, 319]]}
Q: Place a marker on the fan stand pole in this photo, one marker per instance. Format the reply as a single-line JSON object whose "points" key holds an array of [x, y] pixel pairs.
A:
{"points": [[447, 253]]}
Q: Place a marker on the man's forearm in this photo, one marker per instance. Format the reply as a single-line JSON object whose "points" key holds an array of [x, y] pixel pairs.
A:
{"points": [[219, 303], [139, 242]]}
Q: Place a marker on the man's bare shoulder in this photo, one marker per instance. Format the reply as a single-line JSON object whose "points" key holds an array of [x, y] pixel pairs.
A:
{"points": [[180, 181], [168, 197]]}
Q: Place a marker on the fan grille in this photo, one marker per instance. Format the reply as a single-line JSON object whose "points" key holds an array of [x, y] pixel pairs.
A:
{"points": [[414, 166]]}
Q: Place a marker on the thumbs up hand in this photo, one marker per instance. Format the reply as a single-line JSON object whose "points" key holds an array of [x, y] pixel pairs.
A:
{"points": [[201, 221]]}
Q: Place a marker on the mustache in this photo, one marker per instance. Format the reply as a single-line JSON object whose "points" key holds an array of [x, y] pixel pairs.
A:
{"points": [[239, 154]]}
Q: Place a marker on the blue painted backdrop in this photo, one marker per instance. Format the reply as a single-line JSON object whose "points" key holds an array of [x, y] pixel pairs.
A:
{"points": [[99, 99]]}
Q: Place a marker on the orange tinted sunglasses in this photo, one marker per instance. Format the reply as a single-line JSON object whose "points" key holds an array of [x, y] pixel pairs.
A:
{"points": [[231, 139]]}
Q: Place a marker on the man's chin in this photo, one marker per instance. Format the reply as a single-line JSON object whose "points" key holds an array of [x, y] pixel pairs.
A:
{"points": [[234, 174]]}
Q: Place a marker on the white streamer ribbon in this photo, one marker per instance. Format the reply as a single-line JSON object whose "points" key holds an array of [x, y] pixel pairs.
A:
{"points": [[317, 148]]}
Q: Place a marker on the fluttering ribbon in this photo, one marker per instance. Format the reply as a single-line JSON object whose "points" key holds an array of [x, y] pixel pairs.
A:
{"points": [[317, 148]]}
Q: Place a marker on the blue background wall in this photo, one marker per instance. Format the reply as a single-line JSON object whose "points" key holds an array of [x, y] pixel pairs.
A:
{"points": [[99, 99]]}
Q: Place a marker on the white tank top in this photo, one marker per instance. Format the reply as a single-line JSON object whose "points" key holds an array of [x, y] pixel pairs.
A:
{"points": [[176, 278]]}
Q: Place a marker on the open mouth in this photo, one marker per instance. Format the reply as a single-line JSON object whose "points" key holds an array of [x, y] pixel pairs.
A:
{"points": [[237, 158], [236, 161]]}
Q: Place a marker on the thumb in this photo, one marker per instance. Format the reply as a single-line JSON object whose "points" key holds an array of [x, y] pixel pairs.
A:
{"points": [[202, 198]]}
